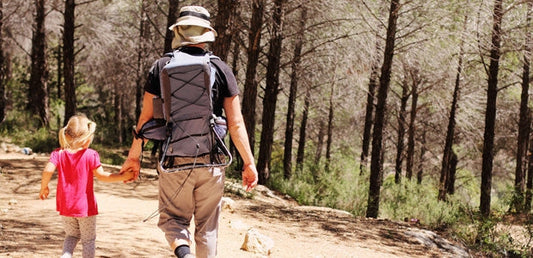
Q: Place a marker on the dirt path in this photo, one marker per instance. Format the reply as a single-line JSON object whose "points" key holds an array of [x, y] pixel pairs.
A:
{"points": [[31, 228]]}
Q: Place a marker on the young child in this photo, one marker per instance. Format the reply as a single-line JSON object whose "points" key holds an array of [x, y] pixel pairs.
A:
{"points": [[76, 164]]}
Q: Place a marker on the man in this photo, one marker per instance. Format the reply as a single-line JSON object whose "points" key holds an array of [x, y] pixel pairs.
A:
{"points": [[203, 187]]}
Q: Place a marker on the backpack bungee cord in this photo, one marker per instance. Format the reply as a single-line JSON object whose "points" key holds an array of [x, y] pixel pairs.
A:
{"points": [[219, 155]]}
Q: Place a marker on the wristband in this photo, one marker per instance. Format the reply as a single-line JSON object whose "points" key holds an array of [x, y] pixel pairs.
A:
{"points": [[135, 134]]}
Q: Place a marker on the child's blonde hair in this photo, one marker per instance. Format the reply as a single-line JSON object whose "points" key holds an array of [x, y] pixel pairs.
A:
{"points": [[78, 132]]}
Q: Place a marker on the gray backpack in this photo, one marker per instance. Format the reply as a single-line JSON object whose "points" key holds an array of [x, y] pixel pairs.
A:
{"points": [[183, 115]]}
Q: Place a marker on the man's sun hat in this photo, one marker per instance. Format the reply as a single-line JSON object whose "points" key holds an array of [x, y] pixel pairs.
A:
{"points": [[192, 27]]}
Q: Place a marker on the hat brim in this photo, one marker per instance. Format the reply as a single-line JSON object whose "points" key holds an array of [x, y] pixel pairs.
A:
{"points": [[193, 21], [180, 40]]}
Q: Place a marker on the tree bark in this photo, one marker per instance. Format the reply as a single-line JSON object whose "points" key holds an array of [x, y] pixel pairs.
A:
{"points": [[224, 26], [173, 8], [529, 185], [3, 67], [38, 87], [450, 184], [423, 150], [271, 93], [141, 53], [450, 132], [409, 162], [68, 59], [377, 134], [59, 59], [289, 127], [117, 106], [237, 159], [302, 135], [490, 113], [523, 123], [401, 131], [320, 142], [369, 115], [250, 84], [330, 123]]}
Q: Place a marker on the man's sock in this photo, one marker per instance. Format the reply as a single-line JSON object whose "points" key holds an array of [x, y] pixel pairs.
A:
{"points": [[182, 250]]}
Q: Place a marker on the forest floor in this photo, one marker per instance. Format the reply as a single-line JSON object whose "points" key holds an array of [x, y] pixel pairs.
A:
{"points": [[30, 227]]}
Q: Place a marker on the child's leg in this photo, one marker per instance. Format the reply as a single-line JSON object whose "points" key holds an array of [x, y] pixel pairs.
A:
{"points": [[72, 236], [88, 235]]}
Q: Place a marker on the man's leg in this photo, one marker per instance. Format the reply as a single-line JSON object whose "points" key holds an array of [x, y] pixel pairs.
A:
{"points": [[208, 195], [176, 207]]}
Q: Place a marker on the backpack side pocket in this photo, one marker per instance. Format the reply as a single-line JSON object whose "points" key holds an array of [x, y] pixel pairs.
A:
{"points": [[154, 129]]}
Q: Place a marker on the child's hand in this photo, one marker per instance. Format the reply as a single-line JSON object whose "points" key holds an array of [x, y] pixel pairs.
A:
{"points": [[133, 165], [43, 194]]}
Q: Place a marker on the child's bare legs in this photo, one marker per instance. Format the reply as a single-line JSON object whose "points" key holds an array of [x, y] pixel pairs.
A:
{"points": [[83, 228]]}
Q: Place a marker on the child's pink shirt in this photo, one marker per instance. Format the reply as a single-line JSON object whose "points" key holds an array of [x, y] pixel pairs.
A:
{"points": [[75, 194]]}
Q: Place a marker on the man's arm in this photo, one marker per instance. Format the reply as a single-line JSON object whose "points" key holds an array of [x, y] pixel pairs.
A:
{"points": [[133, 162], [239, 136]]}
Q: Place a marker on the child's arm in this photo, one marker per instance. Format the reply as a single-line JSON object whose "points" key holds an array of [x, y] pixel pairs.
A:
{"points": [[112, 177], [47, 176]]}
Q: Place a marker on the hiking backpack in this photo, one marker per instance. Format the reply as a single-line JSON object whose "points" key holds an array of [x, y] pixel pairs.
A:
{"points": [[183, 118]]}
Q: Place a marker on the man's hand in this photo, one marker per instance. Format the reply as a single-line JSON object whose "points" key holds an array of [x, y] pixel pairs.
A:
{"points": [[249, 177], [131, 165]]}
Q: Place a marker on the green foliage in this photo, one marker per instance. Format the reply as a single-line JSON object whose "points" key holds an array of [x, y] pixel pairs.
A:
{"points": [[43, 140], [496, 236], [17, 86], [22, 130], [409, 200], [341, 187], [109, 155]]}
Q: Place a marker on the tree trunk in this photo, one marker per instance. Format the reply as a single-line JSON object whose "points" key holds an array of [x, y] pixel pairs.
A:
{"points": [[68, 60], [450, 132], [38, 88], [401, 131], [423, 150], [117, 106], [224, 26], [320, 142], [412, 128], [450, 184], [141, 53], [377, 134], [303, 127], [369, 115], [237, 159], [529, 191], [289, 128], [59, 59], [3, 67], [271, 93], [490, 113], [173, 8], [523, 123], [330, 123], [250, 84]]}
